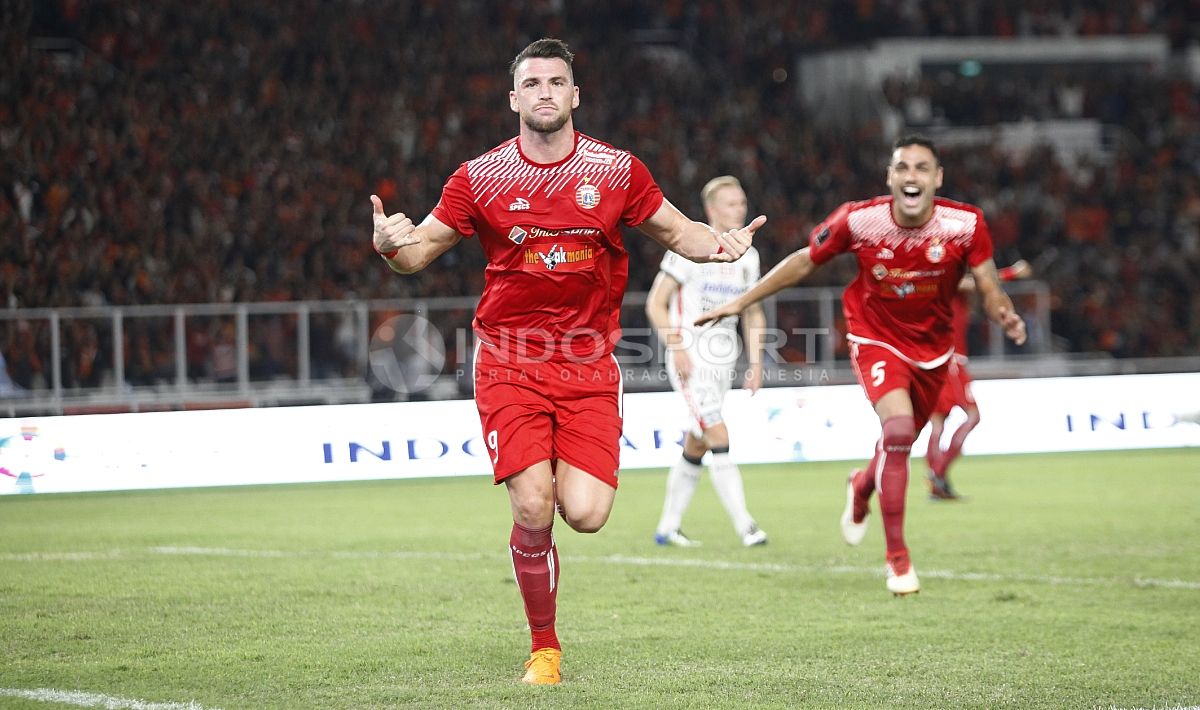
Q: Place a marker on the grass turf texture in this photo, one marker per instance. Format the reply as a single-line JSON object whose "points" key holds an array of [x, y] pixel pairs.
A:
{"points": [[1066, 580]]}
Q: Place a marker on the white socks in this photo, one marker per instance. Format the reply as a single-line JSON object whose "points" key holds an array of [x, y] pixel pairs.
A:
{"points": [[727, 481], [681, 484]]}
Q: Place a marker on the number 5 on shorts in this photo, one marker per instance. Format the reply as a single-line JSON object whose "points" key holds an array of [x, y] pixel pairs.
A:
{"points": [[876, 373], [494, 444]]}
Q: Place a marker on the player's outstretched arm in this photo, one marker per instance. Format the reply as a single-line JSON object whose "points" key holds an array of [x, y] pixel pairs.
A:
{"points": [[405, 248], [696, 241], [1018, 271], [996, 303], [794, 268]]}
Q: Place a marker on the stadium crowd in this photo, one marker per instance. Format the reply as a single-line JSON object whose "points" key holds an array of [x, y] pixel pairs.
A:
{"points": [[176, 152]]}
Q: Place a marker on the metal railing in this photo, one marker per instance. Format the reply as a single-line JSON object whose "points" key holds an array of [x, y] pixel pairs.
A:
{"points": [[154, 357]]}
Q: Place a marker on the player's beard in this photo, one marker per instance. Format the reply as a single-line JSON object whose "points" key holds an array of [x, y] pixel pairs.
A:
{"points": [[546, 124]]}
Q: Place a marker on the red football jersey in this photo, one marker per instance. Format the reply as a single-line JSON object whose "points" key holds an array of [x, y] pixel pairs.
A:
{"points": [[557, 264], [907, 276]]}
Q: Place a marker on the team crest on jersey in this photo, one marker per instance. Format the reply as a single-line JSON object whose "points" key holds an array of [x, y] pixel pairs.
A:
{"points": [[517, 235], [885, 253], [936, 252], [519, 204], [879, 271], [587, 195]]}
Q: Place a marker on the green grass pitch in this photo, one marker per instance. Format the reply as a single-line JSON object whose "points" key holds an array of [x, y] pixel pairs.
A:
{"points": [[1065, 581]]}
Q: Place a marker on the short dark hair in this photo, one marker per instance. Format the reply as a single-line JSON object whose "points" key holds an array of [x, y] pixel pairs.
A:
{"points": [[917, 139], [545, 48]]}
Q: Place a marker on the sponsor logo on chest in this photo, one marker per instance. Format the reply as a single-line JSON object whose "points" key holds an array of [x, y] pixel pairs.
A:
{"points": [[904, 289], [597, 158], [518, 234], [558, 258]]}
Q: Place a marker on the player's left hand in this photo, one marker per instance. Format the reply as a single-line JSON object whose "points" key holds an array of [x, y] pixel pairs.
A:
{"points": [[683, 364], [736, 242], [1021, 269], [1014, 326]]}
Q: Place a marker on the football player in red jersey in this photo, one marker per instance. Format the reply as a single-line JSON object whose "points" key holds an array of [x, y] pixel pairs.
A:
{"points": [[547, 207], [957, 390], [912, 250]]}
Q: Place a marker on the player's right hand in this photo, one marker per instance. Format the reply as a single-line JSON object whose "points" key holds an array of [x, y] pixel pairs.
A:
{"points": [[391, 233], [683, 364]]}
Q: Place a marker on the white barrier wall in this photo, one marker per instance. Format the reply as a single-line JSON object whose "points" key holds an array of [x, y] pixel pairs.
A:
{"points": [[408, 440]]}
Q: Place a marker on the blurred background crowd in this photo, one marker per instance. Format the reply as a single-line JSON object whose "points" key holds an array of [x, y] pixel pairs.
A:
{"points": [[169, 151]]}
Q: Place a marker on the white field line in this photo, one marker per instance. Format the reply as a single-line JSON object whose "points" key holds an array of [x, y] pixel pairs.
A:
{"points": [[344, 555], [94, 700], [776, 567], [939, 574], [1189, 707], [64, 556]]}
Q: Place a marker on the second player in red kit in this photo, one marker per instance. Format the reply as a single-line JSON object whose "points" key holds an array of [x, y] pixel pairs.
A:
{"points": [[912, 249]]}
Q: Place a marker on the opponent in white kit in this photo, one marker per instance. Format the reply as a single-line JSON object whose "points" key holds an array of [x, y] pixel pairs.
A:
{"points": [[701, 363]]}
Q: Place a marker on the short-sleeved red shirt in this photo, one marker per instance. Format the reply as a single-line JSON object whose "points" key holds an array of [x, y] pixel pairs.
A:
{"points": [[907, 276], [557, 264]]}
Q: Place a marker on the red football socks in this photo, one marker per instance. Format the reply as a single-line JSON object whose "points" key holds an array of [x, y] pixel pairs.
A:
{"points": [[535, 565], [864, 482], [864, 486], [934, 456], [898, 436], [955, 449]]}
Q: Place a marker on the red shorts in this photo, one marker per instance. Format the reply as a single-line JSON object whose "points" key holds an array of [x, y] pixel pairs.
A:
{"points": [[539, 411], [957, 390], [880, 371]]}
